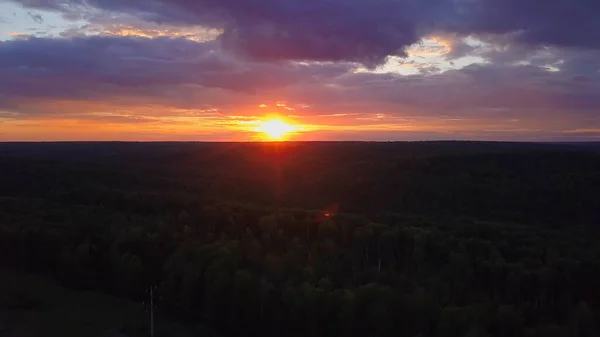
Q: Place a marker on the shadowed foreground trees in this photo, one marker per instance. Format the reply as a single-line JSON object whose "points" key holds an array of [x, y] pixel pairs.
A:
{"points": [[444, 241], [243, 269]]}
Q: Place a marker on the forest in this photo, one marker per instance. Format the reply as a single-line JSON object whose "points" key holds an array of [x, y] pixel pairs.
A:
{"points": [[428, 239]]}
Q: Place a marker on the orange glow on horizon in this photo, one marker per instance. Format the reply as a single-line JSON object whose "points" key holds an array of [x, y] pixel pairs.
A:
{"points": [[118, 121]]}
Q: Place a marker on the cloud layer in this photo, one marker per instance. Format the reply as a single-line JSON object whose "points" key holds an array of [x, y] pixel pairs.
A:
{"points": [[365, 31]]}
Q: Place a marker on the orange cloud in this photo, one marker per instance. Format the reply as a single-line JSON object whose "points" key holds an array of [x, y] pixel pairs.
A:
{"points": [[198, 34]]}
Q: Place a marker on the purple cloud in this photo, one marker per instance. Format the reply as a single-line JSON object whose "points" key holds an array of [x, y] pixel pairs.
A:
{"points": [[109, 66], [562, 23], [104, 67], [132, 61], [365, 31]]}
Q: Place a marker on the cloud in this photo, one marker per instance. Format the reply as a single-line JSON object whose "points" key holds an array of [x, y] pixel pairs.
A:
{"points": [[280, 30], [365, 31], [104, 23], [138, 62], [36, 17], [182, 71], [556, 22], [490, 86]]}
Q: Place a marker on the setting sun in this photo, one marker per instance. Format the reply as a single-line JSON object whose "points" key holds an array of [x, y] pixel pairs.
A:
{"points": [[275, 129]]}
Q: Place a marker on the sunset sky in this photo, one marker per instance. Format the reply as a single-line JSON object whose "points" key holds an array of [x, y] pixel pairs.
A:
{"points": [[217, 70]]}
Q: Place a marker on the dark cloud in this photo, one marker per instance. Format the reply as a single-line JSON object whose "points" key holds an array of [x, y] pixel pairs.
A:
{"points": [[37, 17], [565, 23], [182, 72], [283, 30], [105, 66], [365, 31]]}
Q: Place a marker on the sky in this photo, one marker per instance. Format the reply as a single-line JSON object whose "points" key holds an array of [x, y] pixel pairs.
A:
{"points": [[373, 70]]}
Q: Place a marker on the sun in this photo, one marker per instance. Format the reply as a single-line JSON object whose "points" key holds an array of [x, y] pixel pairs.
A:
{"points": [[275, 129]]}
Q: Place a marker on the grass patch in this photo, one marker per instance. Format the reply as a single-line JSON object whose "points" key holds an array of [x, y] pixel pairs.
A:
{"points": [[32, 305]]}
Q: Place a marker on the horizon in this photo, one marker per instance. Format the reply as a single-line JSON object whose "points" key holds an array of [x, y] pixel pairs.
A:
{"points": [[376, 71], [283, 142], [304, 141]]}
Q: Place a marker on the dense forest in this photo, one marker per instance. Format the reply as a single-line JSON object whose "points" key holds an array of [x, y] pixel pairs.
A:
{"points": [[440, 239]]}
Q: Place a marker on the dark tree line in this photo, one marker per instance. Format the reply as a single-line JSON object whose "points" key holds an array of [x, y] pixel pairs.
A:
{"points": [[546, 184]]}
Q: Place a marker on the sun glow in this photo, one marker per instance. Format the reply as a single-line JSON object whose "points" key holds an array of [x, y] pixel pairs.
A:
{"points": [[275, 129]]}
